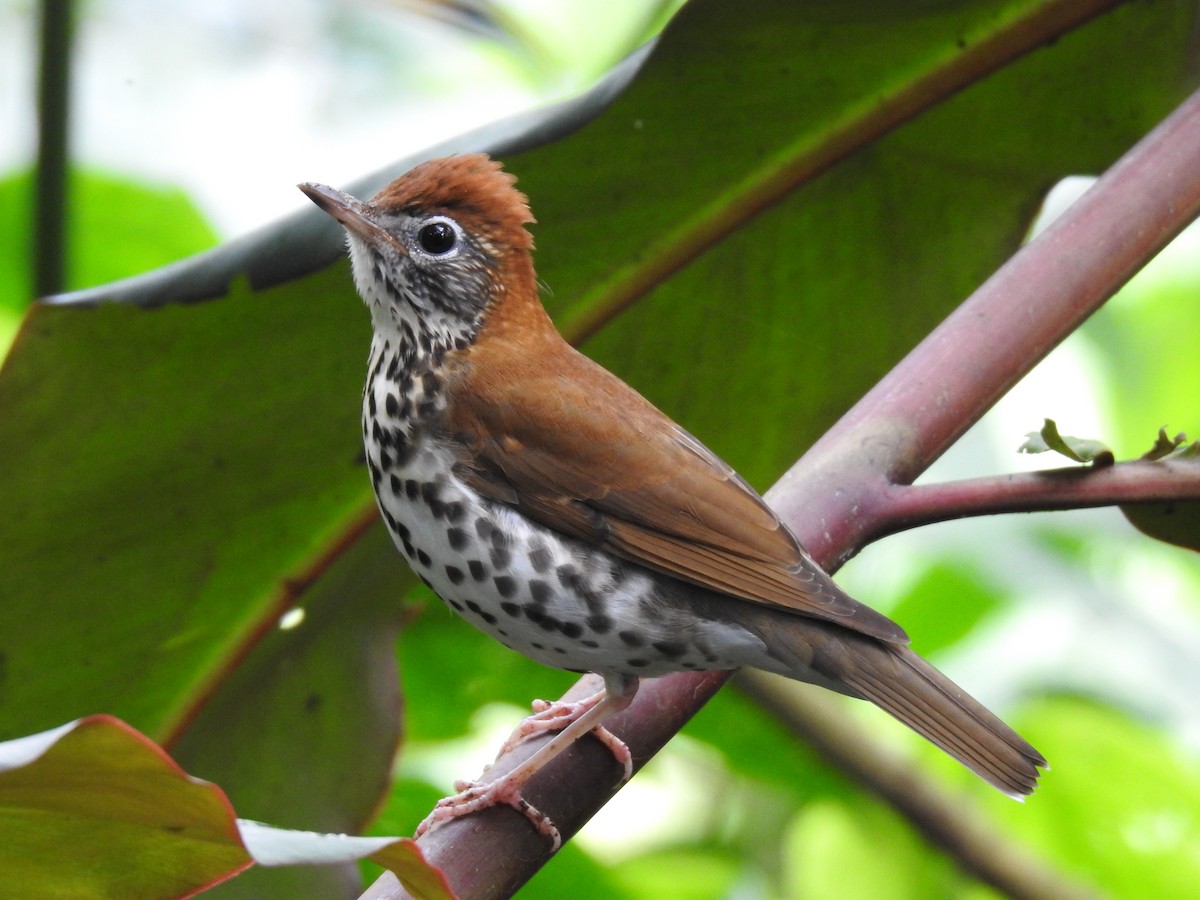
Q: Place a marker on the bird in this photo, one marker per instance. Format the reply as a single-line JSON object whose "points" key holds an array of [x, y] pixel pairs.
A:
{"points": [[556, 509]]}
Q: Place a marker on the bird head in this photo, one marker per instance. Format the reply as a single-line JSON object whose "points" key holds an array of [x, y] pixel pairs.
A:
{"points": [[438, 249]]}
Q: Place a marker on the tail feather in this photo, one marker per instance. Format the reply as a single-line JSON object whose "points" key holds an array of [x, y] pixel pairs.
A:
{"points": [[933, 706], [902, 684]]}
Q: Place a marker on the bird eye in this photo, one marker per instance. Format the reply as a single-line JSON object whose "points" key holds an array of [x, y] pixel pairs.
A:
{"points": [[437, 238]]}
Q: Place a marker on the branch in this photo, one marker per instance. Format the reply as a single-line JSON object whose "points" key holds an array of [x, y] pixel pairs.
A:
{"points": [[832, 496], [947, 820], [50, 197], [1041, 295], [1136, 481]]}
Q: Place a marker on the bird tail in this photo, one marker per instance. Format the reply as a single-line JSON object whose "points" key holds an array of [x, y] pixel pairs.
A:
{"points": [[901, 683]]}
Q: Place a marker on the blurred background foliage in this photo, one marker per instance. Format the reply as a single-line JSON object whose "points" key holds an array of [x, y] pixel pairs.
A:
{"points": [[1082, 633]]}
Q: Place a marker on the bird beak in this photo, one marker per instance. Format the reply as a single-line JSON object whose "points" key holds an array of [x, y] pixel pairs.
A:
{"points": [[351, 212]]}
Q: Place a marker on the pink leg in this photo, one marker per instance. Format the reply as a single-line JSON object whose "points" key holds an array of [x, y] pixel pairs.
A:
{"points": [[559, 715], [572, 720]]}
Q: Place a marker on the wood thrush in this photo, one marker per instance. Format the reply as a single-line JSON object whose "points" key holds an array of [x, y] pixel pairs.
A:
{"points": [[556, 509]]}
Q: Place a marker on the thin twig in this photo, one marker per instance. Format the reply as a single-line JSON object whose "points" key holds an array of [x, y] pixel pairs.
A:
{"points": [[1137, 481]]}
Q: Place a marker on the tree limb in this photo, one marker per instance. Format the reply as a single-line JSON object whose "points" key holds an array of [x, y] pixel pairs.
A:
{"points": [[1078, 487]]}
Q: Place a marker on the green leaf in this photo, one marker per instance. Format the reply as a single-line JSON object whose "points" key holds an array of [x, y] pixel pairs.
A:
{"points": [[1172, 448], [81, 802], [1174, 523], [190, 494], [93, 810], [1082, 450]]}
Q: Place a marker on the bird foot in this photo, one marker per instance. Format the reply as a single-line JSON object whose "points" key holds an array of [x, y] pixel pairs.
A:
{"points": [[559, 715], [571, 720], [473, 797]]}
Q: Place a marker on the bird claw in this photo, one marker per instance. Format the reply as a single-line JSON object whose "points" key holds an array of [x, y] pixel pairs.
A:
{"points": [[473, 797], [571, 720], [556, 716]]}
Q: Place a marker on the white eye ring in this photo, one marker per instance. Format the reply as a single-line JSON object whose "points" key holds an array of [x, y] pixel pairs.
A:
{"points": [[439, 236]]}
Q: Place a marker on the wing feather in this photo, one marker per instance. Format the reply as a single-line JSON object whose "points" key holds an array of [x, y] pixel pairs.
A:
{"points": [[635, 484]]}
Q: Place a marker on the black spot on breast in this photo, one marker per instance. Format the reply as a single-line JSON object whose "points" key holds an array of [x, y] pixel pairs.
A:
{"points": [[539, 591], [457, 538], [430, 382], [455, 605], [409, 551], [568, 576], [599, 623], [541, 618], [430, 492], [636, 663], [593, 601], [590, 644], [412, 489], [401, 447], [455, 511], [484, 528], [511, 608], [423, 558], [477, 570], [500, 557], [506, 586], [631, 638], [481, 612], [395, 484], [571, 629], [455, 574], [371, 403], [391, 404], [540, 559], [670, 649]]}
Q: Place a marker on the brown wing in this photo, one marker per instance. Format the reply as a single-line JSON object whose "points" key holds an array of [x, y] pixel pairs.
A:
{"points": [[635, 483]]}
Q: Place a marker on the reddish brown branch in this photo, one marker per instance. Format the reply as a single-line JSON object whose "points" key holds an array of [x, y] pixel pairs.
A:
{"points": [[1002, 331], [1137, 481]]}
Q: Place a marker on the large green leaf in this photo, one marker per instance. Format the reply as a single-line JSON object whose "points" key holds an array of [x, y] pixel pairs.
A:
{"points": [[93, 809]]}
